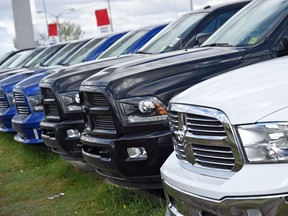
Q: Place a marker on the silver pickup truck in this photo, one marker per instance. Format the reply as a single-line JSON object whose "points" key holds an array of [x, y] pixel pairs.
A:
{"points": [[230, 136]]}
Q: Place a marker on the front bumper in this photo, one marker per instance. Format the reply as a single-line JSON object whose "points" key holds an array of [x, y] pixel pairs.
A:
{"points": [[110, 158], [54, 135], [182, 203], [28, 128], [5, 119], [256, 190]]}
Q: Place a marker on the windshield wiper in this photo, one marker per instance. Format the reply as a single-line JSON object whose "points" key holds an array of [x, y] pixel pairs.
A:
{"points": [[218, 45], [143, 52], [64, 64]]}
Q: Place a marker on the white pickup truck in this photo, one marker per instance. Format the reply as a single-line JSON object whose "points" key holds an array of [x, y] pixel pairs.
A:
{"points": [[230, 136]]}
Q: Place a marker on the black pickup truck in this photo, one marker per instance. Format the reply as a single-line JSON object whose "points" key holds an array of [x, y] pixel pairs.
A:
{"points": [[127, 137], [61, 127]]}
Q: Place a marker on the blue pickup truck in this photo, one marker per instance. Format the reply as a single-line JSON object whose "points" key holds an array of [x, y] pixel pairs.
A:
{"points": [[27, 92], [53, 57]]}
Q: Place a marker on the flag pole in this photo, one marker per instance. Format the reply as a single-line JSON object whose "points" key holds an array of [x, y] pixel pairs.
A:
{"points": [[110, 15]]}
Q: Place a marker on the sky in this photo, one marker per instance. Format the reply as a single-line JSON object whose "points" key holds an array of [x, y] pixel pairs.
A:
{"points": [[126, 15]]}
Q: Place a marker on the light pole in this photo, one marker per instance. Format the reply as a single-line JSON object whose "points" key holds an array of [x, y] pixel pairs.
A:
{"points": [[44, 7], [55, 16], [191, 5], [110, 14]]}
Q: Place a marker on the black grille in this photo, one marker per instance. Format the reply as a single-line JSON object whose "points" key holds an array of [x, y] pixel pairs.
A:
{"points": [[203, 138], [3, 101], [47, 93], [52, 110], [100, 115], [21, 104], [104, 122], [98, 99], [49, 104]]}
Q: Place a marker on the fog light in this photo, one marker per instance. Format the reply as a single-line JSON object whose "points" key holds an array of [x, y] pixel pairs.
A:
{"points": [[137, 152], [73, 133], [36, 133]]}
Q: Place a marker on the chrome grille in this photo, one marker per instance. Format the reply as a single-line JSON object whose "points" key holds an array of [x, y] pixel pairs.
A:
{"points": [[201, 139], [213, 156], [21, 104], [3, 101], [204, 126], [100, 114]]}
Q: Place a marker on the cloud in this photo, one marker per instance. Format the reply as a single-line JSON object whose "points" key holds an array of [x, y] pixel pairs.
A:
{"points": [[126, 14]]}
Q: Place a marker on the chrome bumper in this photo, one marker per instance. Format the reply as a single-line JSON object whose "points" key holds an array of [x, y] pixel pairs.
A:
{"points": [[182, 203]]}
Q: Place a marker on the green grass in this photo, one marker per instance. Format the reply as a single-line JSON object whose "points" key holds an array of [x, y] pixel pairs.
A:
{"points": [[30, 174]]}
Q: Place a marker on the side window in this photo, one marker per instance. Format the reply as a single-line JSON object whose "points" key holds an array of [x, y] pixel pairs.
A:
{"points": [[217, 22], [209, 28]]}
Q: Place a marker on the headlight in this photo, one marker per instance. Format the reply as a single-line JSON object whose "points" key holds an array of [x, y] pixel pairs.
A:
{"points": [[146, 109], [70, 101], [265, 142], [35, 103]]}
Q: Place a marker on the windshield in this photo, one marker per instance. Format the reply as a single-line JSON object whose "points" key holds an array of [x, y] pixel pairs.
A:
{"points": [[24, 58], [4, 56], [123, 45], [11, 60], [62, 54], [250, 25], [82, 54], [170, 36], [42, 56]]}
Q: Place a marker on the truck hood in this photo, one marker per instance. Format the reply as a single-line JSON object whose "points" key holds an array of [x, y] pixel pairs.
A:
{"points": [[246, 95], [70, 78], [164, 71], [12, 72], [12, 69], [30, 85], [9, 79]]}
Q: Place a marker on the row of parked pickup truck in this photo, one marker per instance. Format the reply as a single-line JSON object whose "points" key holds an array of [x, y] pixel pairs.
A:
{"points": [[186, 110]]}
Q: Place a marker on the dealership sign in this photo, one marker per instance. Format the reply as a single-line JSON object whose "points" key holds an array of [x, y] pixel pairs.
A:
{"points": [[103, 21], [53, 33]]}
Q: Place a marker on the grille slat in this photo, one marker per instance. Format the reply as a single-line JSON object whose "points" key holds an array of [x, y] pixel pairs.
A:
{"points": [[212, 150], [204, 125], [197, 155], [206, 132], [214, 163], [209, 154]]}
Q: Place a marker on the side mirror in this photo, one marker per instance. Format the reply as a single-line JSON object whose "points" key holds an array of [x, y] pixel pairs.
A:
{"points": [[282, 47], [201, 38]]}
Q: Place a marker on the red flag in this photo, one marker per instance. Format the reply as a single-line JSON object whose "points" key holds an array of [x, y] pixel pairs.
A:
{"points": [[52, 29], [102, 17]]}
